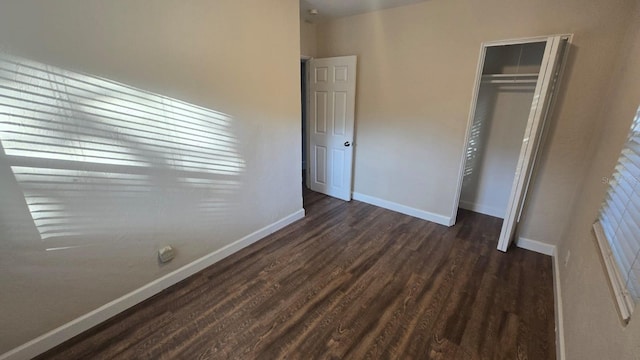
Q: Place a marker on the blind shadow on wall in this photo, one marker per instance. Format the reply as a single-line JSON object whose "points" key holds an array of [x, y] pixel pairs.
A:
{"points": [[96, 157]]}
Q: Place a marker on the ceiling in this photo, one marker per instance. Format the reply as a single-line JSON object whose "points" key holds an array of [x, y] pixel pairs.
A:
{"points": [[331, 9]]}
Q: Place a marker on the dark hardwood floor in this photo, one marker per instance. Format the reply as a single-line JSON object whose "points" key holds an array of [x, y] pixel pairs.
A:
{"points": [[350, 281]]}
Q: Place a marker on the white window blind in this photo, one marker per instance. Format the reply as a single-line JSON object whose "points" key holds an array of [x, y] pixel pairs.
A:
{"points": [[618, 228]]}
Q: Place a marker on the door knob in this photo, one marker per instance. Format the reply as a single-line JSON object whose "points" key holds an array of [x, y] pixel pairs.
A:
{"points": [[347, 144]]}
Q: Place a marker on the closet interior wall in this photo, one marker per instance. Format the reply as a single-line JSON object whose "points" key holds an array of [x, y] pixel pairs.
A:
{"points": [[504, 101]]}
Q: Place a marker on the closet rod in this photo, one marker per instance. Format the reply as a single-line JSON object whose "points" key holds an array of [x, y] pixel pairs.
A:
{"points": [[510, 78], [506, 81], [530, 75]]}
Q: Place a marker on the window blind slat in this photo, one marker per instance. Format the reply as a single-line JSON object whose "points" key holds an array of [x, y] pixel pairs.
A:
{"points": [[626, 245], [633, 283], [629, 166]]}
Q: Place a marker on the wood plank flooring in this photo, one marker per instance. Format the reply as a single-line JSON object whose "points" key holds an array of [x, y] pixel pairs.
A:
{"points": [[350, 281]]}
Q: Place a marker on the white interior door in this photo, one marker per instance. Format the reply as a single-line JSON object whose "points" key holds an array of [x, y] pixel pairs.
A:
{"points": [[543, 94], [332, 98]]}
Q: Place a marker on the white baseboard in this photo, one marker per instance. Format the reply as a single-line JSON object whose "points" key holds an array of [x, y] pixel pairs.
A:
{"points": [[482, 209], [105, 312], [535, 245], [403, 209], [557, 298]]}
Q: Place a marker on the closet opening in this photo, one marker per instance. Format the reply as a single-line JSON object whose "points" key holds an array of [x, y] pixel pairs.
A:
{"points": [[514, 90], [509, 79]]}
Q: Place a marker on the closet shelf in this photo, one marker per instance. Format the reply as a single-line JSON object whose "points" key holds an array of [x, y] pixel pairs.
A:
{"points": [[510, 78]]}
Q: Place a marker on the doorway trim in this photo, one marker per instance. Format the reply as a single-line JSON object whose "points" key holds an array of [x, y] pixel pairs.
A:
{"points": [[304, 113]]}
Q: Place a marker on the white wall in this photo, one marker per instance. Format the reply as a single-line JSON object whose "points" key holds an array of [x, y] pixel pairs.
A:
{"points": [[416, 71], [240, 58]]}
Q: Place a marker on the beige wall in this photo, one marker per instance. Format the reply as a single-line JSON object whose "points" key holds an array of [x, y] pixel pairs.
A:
{"points": [[307, 38], [416, 71], [592, 326], [237, 57]]}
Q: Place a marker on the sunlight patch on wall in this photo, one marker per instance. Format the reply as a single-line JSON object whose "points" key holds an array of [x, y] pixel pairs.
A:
{"points": [[56, 114], [477, 133], [93, 156]]}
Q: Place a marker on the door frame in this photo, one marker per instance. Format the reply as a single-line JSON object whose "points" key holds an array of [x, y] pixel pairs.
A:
{"points": [[474, 101], [306, 59], [304, 119]]}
